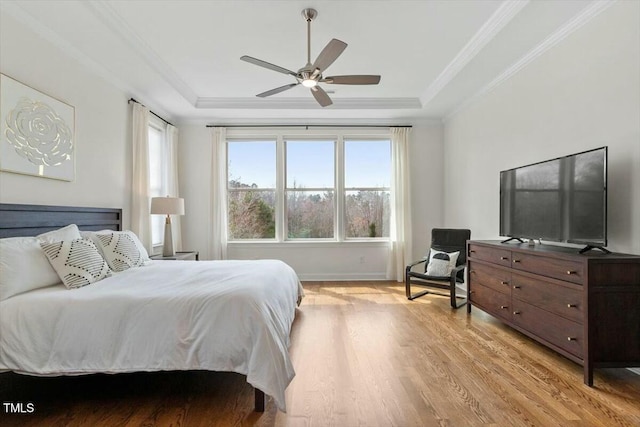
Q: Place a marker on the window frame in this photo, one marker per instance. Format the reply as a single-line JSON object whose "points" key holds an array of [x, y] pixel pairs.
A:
{"points": [[338, 135]]}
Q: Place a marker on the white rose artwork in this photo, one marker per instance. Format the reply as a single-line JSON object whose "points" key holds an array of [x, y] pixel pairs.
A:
{"points": [[37, 132]]}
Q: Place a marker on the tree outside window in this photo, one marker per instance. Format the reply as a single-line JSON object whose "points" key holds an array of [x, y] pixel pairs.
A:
{"points": [[251, 189], [308, 189]]}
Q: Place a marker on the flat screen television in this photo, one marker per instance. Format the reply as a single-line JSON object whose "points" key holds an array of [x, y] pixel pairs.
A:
{"points": [[562, 200]]}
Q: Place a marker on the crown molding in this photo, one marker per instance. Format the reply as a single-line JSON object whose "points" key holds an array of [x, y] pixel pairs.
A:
{"points": [[586, 15], [112, 20], [308, 103], [500, 18], [350, 121]]}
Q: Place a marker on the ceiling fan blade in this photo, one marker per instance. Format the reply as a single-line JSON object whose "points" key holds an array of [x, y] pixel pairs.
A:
{"points": [[268, 65], [277, 90], [330, 53], [352, 80], [321, 96]]}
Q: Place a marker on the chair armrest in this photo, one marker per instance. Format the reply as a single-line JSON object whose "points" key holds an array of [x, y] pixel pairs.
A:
{"points": [[417, 262], [410, 266], [458, 269]]}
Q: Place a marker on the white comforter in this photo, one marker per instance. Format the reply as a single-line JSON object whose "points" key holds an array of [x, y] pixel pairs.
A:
{"points": [[212, 315]]}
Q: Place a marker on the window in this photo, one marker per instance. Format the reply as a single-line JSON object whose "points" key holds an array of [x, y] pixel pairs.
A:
{"points": [[320, 187], [251, 189], [310, 191], [158, 176], [367, 174]]}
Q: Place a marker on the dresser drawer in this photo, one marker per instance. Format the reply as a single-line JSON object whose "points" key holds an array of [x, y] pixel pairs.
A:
{"points": [[558, 299], [495, 303], [571, 271], [493, 255], [491, 277], [566, 334]]}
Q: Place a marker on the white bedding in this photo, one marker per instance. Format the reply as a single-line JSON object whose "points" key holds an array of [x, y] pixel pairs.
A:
{"points": [[212, 315]]}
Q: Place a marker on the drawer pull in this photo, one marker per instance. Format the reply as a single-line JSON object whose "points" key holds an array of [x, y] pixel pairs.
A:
{"points": [[502, 282], [504, 258], [516, 287], [516, 260], [572, 305], [516, 312], [504, 307], [571, 339], [570, 272], [471, 251]]}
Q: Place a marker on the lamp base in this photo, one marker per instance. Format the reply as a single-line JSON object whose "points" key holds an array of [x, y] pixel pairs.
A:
{"points": [[167, 248]]}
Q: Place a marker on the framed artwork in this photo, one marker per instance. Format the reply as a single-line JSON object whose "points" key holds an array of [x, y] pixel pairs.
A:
{"points": [[37, 132]]}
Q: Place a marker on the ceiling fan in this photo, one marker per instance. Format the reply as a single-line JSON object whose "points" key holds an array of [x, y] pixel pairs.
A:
{"points": [[311, 74]]}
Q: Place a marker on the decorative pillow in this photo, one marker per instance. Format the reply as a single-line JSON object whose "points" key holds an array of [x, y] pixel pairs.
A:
{"points": [[70, 232], [23, 265], [120, 250], [77, 262], [93, 235], [441, 264]]}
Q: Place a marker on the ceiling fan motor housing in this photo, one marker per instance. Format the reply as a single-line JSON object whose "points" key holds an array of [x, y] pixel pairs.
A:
{"points": [[309, 14]]}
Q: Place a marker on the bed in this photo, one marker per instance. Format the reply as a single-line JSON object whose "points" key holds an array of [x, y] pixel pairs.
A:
{"points": [[163, 316]]}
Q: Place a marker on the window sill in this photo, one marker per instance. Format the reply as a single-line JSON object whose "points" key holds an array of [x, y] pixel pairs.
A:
{"points": [[309, 244]]}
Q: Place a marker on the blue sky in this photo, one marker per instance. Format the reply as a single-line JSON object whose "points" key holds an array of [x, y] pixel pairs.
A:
{"points": [[310, 163]]}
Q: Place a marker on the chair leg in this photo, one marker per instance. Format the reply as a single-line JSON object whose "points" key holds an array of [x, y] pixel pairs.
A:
{"points": [[407, 283], [418, 295], [407, 286], [454, 299]]}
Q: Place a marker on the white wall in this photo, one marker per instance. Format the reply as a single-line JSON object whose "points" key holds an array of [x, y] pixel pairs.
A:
{"points": [[582, 94], [329, 261], [427, 188], [194, 174], [102, 121]]}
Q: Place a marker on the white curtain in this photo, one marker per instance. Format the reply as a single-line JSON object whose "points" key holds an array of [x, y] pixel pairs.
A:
{"points": [[140, 205], [172, 182], [218, 208], [400, 233]]}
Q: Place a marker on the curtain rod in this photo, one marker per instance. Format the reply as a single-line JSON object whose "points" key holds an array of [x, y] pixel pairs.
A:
{"points": [[310, 126], [138, 102]]}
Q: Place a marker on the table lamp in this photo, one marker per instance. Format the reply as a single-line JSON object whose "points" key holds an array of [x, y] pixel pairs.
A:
{"points": [[167, 206]]}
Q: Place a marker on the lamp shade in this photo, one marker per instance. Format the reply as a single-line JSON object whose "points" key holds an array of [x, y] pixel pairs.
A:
{"points": [[167, 205]]}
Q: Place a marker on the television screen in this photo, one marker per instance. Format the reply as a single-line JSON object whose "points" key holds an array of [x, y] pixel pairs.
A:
{"points": [[563, 199]]}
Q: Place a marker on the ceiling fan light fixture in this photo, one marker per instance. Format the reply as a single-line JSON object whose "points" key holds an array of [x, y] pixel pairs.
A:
{"points": [[309, 83], [310, 75]]}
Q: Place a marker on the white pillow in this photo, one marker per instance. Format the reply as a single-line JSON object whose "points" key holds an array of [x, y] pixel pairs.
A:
{"points": [[441, 264], [70, 232], [77, 262], [120, 250], [23, 265], [93, 235]]}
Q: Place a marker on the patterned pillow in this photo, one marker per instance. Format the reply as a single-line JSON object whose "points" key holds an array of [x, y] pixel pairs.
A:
{"points": [[77, 262], [120, 251], [93, 235], [441, 263]]}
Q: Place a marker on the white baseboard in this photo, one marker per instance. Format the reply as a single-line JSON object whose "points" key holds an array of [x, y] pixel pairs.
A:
{"points": [[635, 370], [340, 277]]}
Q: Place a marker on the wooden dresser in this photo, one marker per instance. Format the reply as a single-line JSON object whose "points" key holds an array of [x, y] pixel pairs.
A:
{"points": [[585, 307]]}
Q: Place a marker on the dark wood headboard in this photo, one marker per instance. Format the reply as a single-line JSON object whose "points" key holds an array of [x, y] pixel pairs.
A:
{"points": [[31, 220]]}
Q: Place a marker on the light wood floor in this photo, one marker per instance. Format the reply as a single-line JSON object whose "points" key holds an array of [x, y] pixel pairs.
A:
{"points": [[364, 356]]}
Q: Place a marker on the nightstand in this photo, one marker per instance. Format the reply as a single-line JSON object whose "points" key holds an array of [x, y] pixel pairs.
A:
{"points": [[179, 256]]}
